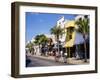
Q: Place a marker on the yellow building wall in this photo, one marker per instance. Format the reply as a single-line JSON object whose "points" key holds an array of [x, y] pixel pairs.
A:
{"points": [[70, 43], [69, 24]]}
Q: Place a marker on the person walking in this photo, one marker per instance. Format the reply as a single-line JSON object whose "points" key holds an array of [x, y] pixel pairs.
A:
{"points": [[64, 55], [57, 55], [33, 51]]}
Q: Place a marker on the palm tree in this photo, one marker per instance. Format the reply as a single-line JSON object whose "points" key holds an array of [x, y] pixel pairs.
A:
{"points": [[40, 40], [57, 31], [29, 46], [83, 27]]}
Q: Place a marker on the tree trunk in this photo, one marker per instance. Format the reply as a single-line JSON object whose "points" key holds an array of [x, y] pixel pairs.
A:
{"points": [[39, 48], [85, 48], [58, 44]]}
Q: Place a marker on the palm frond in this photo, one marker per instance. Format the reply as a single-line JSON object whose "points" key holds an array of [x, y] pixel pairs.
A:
{"points": [[83, 25]]}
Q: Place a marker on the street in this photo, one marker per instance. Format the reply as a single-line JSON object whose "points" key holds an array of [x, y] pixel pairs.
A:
{"points": [[33, 61]]}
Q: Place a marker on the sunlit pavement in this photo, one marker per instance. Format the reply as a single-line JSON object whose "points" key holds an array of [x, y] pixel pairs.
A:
{"points": [[37, 60]]}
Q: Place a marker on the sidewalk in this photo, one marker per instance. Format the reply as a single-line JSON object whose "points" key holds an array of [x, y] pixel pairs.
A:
{"points": [[69, 60]]}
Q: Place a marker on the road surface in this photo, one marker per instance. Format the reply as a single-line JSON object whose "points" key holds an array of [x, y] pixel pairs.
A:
{"points": [[33, 61]]}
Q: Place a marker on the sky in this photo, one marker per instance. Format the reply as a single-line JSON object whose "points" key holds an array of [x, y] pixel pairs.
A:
{"points": [[41, 23]]}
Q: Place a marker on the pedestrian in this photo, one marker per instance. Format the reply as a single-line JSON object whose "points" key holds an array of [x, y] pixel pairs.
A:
{"points": [[64, 55], [57, 55], [46, 51], [32, 51], [65, 58]]}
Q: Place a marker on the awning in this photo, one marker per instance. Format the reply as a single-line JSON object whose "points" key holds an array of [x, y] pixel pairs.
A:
{"points": [[78, 39], [70, 23]]}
